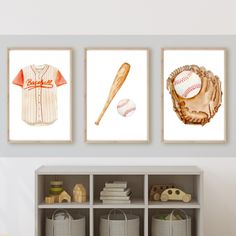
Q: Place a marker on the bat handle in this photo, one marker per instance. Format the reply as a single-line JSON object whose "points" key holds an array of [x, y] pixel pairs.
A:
{"points": [[102, 113]]}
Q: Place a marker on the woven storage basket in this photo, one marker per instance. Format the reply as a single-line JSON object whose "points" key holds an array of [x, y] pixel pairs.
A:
{"points": [[65, 227], [171, 227], [119, 224]]}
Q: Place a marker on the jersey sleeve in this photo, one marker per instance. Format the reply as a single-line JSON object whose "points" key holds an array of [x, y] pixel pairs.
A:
{"points": [[19, 79], [60, 80]]}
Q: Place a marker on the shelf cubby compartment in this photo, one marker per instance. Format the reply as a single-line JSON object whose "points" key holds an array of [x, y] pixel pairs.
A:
{"points": [[47, 213], [100, 212], [193, 213], [134, 182], [188, 183], [69, 181]]}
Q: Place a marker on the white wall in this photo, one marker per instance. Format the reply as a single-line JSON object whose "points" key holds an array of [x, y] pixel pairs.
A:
{"points": [[117, 17], [17, 189]]}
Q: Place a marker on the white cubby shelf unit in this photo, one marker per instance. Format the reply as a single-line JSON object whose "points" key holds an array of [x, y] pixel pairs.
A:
{"points": [[139, 179]]}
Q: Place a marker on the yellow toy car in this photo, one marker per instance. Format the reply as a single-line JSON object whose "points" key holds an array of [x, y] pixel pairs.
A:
{"points": [[175, 194]]}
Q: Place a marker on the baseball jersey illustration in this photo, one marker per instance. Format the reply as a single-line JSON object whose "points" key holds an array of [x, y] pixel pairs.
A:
{"points": [[39, 93]]}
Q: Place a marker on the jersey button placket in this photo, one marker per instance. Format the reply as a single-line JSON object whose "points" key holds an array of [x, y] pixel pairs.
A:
{"points": [[38, 96]]}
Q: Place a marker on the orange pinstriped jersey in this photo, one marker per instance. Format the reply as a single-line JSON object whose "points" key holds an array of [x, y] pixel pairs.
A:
{"points": [[39, 93]]}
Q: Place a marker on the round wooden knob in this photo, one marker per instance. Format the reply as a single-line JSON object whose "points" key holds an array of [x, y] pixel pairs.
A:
{"points": [[156, 197]]}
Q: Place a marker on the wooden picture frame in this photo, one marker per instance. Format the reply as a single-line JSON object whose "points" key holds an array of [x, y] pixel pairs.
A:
{"points": [[55, 66], [110, 59], [193, 56]]}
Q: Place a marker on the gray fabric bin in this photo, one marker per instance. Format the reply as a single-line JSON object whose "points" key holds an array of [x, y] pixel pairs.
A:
{"points": [[65, 227], [171, 227], [119, 224]]}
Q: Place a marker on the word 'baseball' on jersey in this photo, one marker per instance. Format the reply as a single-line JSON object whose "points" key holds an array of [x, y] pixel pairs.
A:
{"points": [[39, 93]]}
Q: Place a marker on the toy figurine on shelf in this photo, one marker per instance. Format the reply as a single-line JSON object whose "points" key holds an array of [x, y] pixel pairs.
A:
{"points": [[176, 195], [79, 193], [54, 191], [64, 197], [157, 189], [49, 199]]}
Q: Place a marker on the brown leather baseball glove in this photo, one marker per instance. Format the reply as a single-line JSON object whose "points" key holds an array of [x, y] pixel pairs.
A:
{"points": [[202, 107]]}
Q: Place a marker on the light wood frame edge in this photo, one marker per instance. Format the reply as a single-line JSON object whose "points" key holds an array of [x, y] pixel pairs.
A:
{"points": [[8, 97], [225, 98], [148, 98]]}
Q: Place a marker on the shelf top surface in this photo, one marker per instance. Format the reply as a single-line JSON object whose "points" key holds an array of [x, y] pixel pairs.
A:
{"points": [[134, 204], [162, 170]]}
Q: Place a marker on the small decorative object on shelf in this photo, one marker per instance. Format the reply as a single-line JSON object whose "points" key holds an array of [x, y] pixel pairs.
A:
{"points": [[157, 189], [79, 193], [54, 191], [49, 199], [56, 187], [64, 197], [175, 194], [116, 193]]}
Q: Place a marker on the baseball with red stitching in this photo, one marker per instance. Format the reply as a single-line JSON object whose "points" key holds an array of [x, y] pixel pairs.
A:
{"points": [[196, 94], [126, 107], [187, 84]]}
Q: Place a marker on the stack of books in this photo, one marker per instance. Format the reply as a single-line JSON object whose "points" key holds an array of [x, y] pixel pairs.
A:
{"points": [[116, 192]]}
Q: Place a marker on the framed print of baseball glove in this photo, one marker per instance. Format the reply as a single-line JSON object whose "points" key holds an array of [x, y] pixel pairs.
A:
{"points": [[39, 95], [194, 95], [116, 96]]}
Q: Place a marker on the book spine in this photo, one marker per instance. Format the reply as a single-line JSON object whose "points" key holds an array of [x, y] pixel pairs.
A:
{"points": [[114, 198], [114, 189], [116, 202], [116, 185], [113, 194]]}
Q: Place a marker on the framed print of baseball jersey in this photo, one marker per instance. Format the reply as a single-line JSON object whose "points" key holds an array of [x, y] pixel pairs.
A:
{"points": [[39, 95], [194, 95], [117, 96]]}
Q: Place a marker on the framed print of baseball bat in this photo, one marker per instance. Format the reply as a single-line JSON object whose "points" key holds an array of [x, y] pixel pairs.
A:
{"points": [[117, 91], [39, 97], [194, 95]]}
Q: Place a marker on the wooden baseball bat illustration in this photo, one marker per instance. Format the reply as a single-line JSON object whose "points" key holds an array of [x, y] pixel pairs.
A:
{"points": [[116, 85]]}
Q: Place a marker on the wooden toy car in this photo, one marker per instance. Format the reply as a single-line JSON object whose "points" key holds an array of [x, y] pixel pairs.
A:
{"points": [[175, 194], [157, 189]]}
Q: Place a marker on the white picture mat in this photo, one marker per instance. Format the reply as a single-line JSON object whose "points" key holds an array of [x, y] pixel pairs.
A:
{"points": [[102, 66], [60, 130], [174, 129]]}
